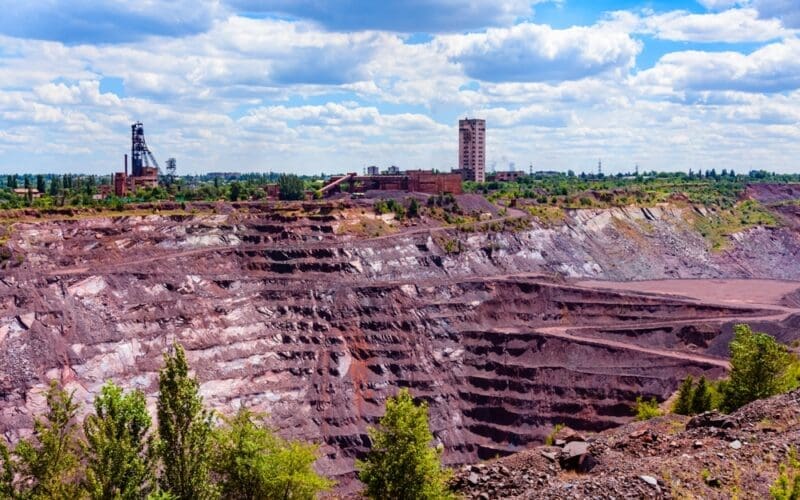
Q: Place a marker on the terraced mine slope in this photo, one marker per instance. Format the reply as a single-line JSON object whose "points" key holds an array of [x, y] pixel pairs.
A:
{"points": [[282, 310]]}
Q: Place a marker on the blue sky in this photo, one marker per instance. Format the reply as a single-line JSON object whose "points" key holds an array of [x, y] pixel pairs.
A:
{"points": [[313, 86]]}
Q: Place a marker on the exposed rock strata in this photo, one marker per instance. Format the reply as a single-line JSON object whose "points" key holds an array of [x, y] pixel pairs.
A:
{"points": [[279, 312]]}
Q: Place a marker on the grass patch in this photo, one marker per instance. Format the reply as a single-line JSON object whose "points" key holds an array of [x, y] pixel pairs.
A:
{"points": [[548, 215], [365, 228], [717, 227]]}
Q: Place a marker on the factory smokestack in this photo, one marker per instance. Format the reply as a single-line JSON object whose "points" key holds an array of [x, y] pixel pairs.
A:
{"points": [[126, 165]]}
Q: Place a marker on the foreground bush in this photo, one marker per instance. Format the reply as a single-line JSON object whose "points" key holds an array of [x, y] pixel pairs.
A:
{"points": [[402, 464], [119, 452], [253, 463], [760, 367], [645, 410]]}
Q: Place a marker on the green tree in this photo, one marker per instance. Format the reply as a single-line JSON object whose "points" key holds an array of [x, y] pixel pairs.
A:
{"points": [[758, 368], [236, 191], [253, 463], [291, 187], [55, 186], [683, 405], [49, 465], [40, 184], [184, 429], [701, 398], [413, 209], [402, 464], [119, 464]]}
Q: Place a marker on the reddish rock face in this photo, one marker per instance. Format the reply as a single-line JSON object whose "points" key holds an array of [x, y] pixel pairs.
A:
{"points": [[280, 313]]}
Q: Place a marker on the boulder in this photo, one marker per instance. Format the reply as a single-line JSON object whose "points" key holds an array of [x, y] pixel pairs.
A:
{"points": [[713, 419], [567, 435], [576, 456]]}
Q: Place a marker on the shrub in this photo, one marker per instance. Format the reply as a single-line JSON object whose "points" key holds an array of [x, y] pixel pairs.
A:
{"points": [[551, 438], [401, 464], [645, 410], [254, 463], [787, 485], [413, 208], [49, 465], [760, 368]]}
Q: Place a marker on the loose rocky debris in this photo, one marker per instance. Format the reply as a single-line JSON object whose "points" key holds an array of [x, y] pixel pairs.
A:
{"points": [[710, 456]]}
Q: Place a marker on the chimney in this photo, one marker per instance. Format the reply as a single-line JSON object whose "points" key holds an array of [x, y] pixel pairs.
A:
{"points": [[126, 164]]}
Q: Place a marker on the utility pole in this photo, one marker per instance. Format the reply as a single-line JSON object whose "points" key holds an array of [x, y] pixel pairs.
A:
{"points": [[599, 168]]}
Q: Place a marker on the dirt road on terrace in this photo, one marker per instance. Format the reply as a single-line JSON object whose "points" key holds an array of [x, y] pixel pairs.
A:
{"points": [[755, 294], [739, 292], [561, 333]]}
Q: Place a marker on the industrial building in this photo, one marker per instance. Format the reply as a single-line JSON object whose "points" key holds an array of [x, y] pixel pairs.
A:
{"points": [[472, 149], [507, 175], [143, 175], [418, 181]]}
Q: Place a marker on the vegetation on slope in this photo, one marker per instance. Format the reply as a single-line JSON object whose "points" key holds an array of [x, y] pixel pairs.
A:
{"points": [[760, 367], [402, 464], [718, 225]]}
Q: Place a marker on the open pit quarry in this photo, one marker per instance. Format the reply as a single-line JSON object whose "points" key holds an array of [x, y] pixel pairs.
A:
{"points": [[282, 310]]}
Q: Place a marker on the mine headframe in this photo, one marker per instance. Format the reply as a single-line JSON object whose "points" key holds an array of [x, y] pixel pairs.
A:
{"points": [[141, 156]]}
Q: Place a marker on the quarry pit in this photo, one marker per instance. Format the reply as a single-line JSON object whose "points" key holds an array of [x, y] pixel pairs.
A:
{"points": [[282, 310]]}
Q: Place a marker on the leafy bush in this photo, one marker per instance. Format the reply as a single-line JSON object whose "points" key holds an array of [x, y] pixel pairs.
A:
{"points": [[551, 438], [119, 452], [48, 466], [401, 464], [254, 463], [413, 208], [760, 367], [645, 410]]}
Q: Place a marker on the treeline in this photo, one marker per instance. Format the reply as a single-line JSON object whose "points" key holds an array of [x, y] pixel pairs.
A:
{"points": [[710, 187], [69, 190], [119, 453]]}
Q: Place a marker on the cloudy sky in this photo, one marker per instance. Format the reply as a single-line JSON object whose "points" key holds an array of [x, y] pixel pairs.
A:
{"points": [[328, 86]]}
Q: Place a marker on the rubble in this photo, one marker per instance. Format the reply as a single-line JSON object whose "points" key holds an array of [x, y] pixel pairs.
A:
{"points": [[668, 466]]}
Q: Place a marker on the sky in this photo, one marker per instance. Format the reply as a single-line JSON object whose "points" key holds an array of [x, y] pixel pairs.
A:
{"points": [[327, 86]]}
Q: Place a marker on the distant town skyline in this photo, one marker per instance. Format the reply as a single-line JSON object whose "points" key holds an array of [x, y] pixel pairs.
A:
{"points": [[309, 87]]}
